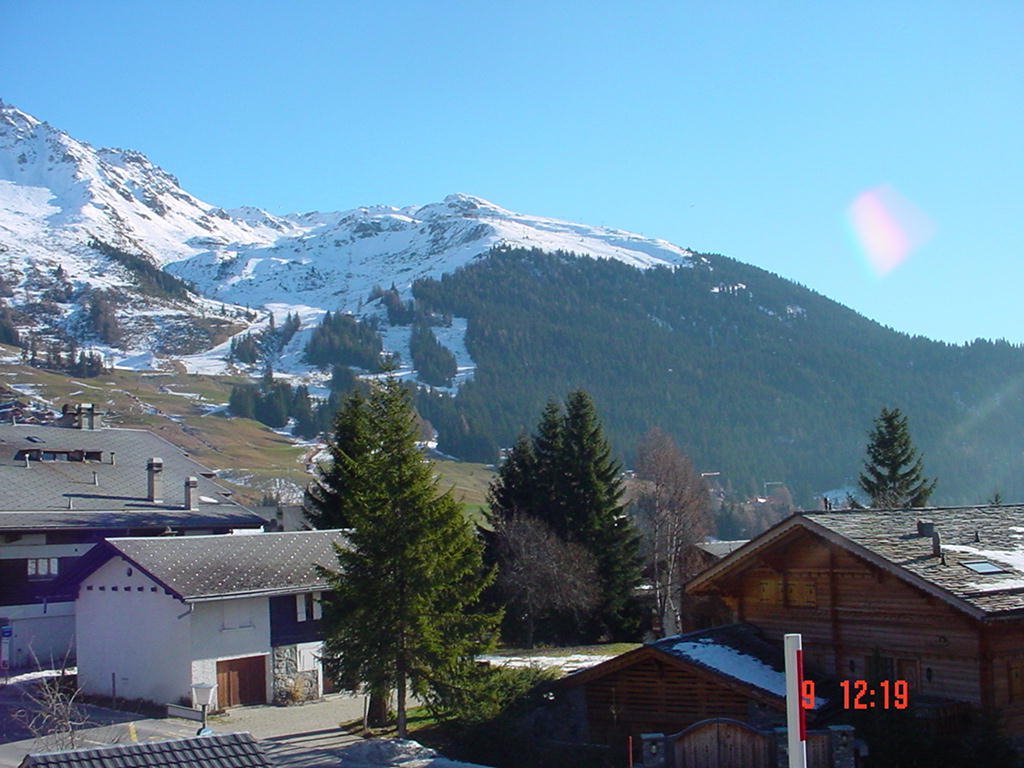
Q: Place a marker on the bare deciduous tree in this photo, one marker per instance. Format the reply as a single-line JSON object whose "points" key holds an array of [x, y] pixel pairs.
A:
{"points": [[673, 514], [541, 574], [53, 715]]}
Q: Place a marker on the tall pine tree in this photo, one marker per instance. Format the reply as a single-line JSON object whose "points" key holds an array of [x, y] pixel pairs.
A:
{"points": [[513, 492], [893, 476], [567, 478], [405, 596], [595, 516], [334, 492]]}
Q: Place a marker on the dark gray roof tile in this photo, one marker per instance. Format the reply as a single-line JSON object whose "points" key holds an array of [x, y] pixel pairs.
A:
{"points": [[991, 534], [216, 751], [37, 496], [205, 567]]}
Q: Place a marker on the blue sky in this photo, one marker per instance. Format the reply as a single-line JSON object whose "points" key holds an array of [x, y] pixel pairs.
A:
{"points": [[742, 128]]}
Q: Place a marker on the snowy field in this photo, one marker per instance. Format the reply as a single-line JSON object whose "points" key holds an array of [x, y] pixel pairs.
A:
{"points": [[565, 664]]}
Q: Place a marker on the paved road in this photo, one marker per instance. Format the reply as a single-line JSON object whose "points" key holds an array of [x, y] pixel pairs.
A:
{"points": [[303, 736]]}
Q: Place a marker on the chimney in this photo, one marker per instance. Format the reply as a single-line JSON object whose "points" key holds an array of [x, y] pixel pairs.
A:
{"points": [[112, 455], [86, 416], [925, 527], [95, 478], [191, 495], [71, 504], [936, 544], [155, 490]]}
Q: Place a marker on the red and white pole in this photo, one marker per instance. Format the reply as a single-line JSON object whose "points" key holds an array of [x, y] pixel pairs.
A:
{"points": [[796, 720]]}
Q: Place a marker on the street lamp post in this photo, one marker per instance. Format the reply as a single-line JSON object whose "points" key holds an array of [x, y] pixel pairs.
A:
{"points": [[202, 694]]}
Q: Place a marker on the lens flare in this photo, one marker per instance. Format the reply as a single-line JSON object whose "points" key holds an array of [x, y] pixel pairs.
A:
{"points": [[887, 227]]}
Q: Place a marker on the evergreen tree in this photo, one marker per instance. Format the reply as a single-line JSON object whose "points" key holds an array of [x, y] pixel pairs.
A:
{"points": [[404, 606], [342, 340], [566, 478], [512, 491], [302, 410], [434, 362], [549, 489], [8, 330], [103, 318], [595, 517], [242, 401], [245, 350], [335, 490], [893, 476]]}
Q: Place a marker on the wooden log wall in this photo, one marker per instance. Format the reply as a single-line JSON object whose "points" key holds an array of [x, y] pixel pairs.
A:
{"points": [[846, 608], [1003, 665], [654, 696]]}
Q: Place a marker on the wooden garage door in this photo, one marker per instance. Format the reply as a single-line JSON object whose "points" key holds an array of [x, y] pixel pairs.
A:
{"points": [[241, 681]]}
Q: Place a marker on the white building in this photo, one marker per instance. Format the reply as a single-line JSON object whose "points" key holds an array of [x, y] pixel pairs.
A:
{"points": [[65, 488], [155, 615]]}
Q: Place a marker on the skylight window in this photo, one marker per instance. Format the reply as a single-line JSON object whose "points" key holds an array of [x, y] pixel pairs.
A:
{"points": [[984, 566]]}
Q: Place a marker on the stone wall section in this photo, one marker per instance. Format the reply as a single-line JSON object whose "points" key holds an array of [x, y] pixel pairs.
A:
{"points": [[290, 685]]}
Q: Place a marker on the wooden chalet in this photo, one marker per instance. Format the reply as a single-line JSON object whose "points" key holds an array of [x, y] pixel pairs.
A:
{"points": [[931, 596], [676, 682]]}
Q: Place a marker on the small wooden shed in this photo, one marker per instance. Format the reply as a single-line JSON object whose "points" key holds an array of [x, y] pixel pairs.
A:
{"points": [[669, 685]]}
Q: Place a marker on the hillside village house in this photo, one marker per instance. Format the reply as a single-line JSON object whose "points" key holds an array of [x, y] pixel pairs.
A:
{"points": [[721, 689], [931, 596], [156, 615], [65, 488], [934, 597]]}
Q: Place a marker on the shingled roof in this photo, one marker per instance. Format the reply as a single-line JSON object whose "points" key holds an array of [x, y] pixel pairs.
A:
{"points": [[719, 549], [226, 750], [968, 539], [83, 478], [198, 568], [736, 654]]}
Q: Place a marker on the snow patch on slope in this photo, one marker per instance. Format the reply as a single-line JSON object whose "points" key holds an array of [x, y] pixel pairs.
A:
{"points": [[59, 195]]}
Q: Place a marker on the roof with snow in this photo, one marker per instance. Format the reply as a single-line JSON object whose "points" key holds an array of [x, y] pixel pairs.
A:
{"points": [[735, 651], [198, 568], [736, 654], [60, 478], [222, 750], [979, 568]]}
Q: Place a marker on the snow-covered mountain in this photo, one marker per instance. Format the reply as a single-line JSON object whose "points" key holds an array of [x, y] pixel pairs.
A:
{"points": [[76, 221], [333, 260]]}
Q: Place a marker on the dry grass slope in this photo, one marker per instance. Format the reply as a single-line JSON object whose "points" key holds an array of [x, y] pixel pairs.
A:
{"points": [[187, 410]]}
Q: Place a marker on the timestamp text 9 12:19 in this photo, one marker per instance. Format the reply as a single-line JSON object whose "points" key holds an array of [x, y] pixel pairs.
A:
{"points": [[859, 694]]}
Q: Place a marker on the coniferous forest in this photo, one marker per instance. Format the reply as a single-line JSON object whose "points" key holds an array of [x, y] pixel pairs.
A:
{"points": [[755, 377]]}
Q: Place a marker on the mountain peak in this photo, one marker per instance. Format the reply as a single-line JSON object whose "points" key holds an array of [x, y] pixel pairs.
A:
{"points": [[462, 200], [15, 118]]}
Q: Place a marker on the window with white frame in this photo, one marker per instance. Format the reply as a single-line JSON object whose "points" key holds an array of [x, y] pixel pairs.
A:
{"points": [[43, 567], [308, 607]]}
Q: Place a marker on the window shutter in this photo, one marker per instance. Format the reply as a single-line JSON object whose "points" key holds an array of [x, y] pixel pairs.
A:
{"points": [[318, 608], [300, 607]]}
